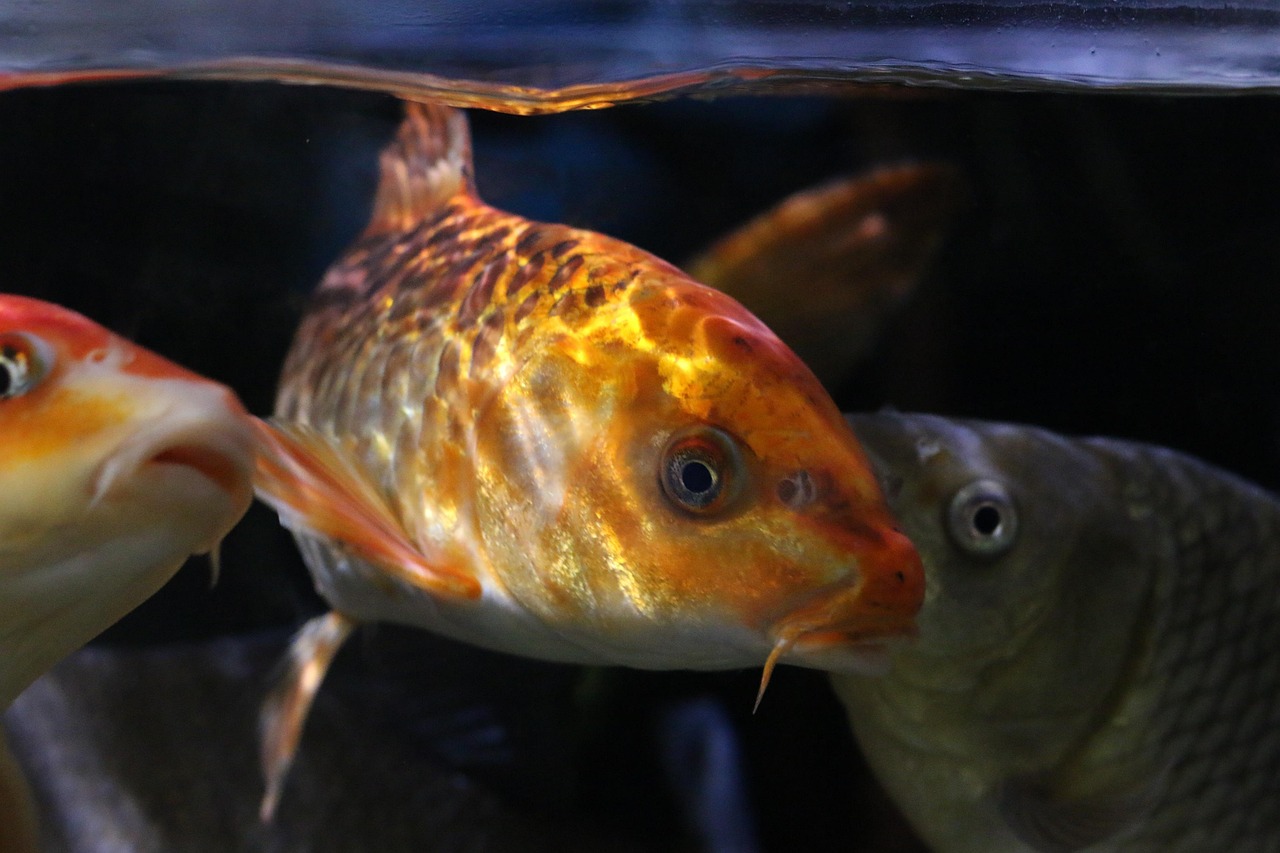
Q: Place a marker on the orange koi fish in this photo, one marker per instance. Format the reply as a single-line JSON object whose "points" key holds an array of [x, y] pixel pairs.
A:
{"points": [[548, 442], [117, 466]]}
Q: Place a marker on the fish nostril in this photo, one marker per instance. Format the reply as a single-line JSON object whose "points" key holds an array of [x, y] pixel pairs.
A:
{"points": [[797, 490]]}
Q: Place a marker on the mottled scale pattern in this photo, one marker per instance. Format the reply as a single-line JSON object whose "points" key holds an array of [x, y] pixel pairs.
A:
{"points": [[1214, 666], [411, 329]]}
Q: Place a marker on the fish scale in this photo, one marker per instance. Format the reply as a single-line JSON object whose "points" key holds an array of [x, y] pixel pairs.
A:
{"points": [[1223, 688], [1182, 751], [499, 275], [458, 332]]}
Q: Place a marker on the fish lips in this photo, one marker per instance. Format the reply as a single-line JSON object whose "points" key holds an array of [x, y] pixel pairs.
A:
{"points": [[847, 629], [200, 458], [840, 651]]}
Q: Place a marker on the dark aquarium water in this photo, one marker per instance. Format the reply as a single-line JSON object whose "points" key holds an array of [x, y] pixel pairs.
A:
{"points": [[1111, 269]]}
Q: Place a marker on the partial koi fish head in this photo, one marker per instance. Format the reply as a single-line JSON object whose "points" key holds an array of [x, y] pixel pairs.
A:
{"points": [[118, 465], [694, 496]]}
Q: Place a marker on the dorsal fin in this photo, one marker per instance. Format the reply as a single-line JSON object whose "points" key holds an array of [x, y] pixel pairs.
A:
{"points": [[425, 166]]}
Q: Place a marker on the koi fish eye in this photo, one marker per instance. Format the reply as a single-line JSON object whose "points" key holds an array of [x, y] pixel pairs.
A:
{"points": [[701, 470], [23, 363], [982, 519]]}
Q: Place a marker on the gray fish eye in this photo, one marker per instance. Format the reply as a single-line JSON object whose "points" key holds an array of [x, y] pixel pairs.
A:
{"points": [[982, 519]]}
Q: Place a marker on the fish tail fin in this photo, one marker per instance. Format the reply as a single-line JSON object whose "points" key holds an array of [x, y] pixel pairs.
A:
{"points": [[284, 712], [425, 166]]}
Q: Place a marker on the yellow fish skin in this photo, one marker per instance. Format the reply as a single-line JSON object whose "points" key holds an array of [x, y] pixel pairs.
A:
{"points": [[1098, 665], [594, 458]]}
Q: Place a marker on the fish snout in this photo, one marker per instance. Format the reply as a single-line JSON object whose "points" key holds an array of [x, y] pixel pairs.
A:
{"points": [[852, 626], [892, 583]]}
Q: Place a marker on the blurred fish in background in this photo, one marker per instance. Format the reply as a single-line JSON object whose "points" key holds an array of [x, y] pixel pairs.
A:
{"points": [[152, 749]]}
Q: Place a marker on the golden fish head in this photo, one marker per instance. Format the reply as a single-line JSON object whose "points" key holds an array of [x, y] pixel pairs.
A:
{"points": [[118, 465], [675, 485]]}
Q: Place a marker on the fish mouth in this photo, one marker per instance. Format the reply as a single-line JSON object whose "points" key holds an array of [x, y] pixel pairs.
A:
{"points": [[224, 471], [866, 647], [877, 604], [853, 626], [217, 451], [863, 647], [846, 651]]}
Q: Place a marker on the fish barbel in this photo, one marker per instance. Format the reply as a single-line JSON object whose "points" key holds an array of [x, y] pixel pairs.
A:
{"points": [[1098, 665], [117, 466], [545, 441]]}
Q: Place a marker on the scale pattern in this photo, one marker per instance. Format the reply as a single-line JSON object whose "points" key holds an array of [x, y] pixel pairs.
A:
{"points": [[410, 331], [1215, 661]]}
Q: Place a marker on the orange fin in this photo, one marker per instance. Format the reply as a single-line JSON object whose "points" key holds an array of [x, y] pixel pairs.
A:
{"points": [[856, 248], [284, 713], [318, 490], [425, 166]]}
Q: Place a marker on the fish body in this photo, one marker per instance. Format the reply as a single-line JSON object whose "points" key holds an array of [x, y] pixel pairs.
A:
{"points": [[117, 466], [594, 458], [1098, 664]]}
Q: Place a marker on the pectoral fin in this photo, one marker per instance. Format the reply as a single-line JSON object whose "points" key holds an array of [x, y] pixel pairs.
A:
{"points": [[284, 713], [1050, 821], [320, 491], [826, 266]]}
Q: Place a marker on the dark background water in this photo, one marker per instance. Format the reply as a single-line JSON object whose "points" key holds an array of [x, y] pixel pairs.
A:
{"points": [[1113, 271]]}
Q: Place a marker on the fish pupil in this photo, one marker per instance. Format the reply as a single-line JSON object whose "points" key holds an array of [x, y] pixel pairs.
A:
{"points": [[982, 519], [986, 519], [697, 477]]}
